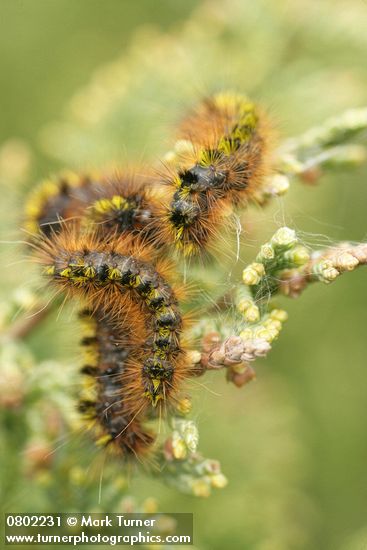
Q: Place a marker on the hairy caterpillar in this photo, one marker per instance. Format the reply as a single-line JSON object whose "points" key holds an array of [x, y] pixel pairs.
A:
{"points": [[111, 275], [104, 400], [136, 368], [218, 163], [105, 240]]}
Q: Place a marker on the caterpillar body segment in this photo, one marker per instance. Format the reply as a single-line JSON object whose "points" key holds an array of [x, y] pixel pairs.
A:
{"points": [[128, 204], [55, 200]]}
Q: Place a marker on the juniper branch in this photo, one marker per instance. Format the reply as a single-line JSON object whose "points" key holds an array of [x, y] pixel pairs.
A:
{"points": [[328, 146], [283, 266]]}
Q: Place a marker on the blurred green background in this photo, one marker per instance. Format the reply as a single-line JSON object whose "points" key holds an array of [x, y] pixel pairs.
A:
{"points": [[90, 83]]}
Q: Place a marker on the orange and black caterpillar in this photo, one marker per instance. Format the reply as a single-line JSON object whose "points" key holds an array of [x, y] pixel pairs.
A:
{"points": [[112, 276], [218, 164], [104, 403], [106, 238]]}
